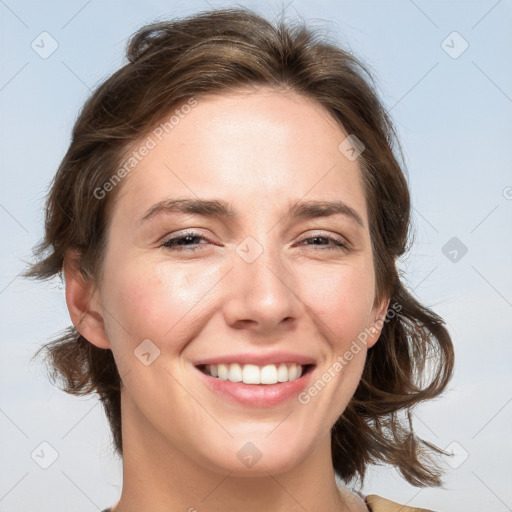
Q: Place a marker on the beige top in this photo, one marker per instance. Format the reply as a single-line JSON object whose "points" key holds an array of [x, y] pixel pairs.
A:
{"points": [[377, 504]]}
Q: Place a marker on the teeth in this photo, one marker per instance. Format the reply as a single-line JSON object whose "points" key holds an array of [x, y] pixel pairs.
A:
{"points": [[222, 370], [252, 374], [268, 374], [234, 373]]}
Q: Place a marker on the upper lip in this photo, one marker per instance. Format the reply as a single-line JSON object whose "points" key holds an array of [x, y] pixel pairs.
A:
{"points": [[258, 359]]}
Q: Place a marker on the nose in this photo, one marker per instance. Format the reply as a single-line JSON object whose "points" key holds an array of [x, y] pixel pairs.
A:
{"points": [[263, 295]]}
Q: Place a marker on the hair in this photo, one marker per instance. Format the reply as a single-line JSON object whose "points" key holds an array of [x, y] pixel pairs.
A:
{"points": [[218, 52]]}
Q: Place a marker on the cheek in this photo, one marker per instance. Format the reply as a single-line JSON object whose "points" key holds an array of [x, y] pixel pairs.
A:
{"points": [[341, 302], [150, 302], [154, 302], [342, 299]]}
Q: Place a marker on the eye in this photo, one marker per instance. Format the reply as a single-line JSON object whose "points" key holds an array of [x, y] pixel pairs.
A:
{"points": [[334, 241], [188, 241], [184, 242]]}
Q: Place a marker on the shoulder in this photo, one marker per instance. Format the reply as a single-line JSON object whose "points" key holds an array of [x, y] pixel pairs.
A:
{"points": [[377, 504]]}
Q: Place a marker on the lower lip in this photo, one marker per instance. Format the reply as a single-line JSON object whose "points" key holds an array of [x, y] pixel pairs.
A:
{"points": [[257, 395]]}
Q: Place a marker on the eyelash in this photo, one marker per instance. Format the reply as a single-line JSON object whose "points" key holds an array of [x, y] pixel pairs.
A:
{"points": [[171, 243]]}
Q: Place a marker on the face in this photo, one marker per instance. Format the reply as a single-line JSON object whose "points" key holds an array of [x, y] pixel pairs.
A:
{"points": [[258, 276]]}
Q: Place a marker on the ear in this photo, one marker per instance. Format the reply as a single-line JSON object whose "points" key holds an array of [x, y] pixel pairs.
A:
{"points": [[376, 321], [83, 302]]}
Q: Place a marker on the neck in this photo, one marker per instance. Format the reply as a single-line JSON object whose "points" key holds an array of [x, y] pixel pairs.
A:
{"points": [[158, 476]]}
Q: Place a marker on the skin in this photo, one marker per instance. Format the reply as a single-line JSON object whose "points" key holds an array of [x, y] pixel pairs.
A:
{"points": [[260, 151]]}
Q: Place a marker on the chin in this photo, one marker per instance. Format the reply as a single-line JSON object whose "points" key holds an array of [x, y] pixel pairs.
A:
{"points": [[256, 458]]}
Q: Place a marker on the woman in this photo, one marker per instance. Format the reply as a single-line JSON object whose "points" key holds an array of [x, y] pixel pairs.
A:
{"points": [[227, 219]]}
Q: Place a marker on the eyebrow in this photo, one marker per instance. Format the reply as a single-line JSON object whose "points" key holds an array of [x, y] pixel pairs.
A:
{"points": [[222, 209]]}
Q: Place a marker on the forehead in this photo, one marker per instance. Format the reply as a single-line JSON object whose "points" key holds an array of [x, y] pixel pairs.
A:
{"points": [[252, 147]]}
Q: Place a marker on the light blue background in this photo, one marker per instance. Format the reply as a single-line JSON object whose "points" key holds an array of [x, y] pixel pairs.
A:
{"points": [[454, 118]]}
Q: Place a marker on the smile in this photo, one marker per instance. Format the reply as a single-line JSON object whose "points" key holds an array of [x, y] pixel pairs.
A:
{"points": [[253, 374], [251, 390]]}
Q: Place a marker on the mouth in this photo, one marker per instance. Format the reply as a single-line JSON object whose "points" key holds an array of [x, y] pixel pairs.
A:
{"points": [[256, 386], [266, 375]]}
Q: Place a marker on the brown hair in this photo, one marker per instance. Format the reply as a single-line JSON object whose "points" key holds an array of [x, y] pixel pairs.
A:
{"points": [[215, 52]]}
